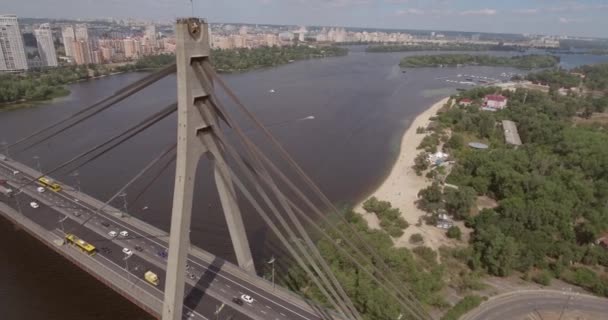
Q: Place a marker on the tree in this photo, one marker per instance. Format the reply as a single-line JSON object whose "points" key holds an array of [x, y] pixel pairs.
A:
{"points": [[373, 205], [454, 233], [421, 163], [416, 238], [430, 198], [456, 142], [486, 125], [458, 202], [499, 253]]}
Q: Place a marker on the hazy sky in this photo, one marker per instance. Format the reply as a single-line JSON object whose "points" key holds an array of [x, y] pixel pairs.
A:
{"points": [[570, 17]]}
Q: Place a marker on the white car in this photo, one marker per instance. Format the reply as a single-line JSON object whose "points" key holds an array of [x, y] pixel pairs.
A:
{"points": [[247, 298], [112, 233], [16, 172], [124, 233], [40, 189], [34, 205], [127, 251]]}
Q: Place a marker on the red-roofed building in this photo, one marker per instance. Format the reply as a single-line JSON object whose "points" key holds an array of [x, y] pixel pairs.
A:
{"points": [[495, 101], [465, 102]]}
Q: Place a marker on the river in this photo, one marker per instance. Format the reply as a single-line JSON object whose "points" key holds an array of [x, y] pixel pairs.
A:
{"points": [[361, 104]]}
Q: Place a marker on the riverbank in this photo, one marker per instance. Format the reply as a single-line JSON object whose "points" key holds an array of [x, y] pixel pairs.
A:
{"points": [[402, 185]]}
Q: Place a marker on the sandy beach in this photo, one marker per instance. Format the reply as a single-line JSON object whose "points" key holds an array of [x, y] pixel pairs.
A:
{"points": [[402, 185]]}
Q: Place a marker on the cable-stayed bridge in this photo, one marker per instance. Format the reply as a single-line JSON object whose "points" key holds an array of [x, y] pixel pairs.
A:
{"points": [[162, 272]]}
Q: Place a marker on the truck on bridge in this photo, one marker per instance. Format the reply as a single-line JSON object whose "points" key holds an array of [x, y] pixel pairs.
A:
{"points": [[151, 277]]}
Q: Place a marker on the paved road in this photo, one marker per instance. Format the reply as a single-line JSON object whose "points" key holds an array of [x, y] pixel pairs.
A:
{"points": [[541, 304], [207, 283]]}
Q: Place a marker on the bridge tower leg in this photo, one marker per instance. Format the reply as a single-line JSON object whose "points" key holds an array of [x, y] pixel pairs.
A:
{"points": [[195, 138]]}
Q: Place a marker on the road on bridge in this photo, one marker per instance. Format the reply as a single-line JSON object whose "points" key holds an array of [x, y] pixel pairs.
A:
{"points": [[208, 285], [541, 304]]}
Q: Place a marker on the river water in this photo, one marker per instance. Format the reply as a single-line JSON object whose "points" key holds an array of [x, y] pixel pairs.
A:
{"points": [[361, 104]]}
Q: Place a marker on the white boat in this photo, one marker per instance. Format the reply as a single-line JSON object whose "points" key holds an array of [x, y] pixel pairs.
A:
{"points": [[271, 91]]}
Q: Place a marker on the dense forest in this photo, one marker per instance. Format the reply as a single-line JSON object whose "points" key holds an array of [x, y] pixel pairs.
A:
{"points": [[48, 83], [441, 47], [419, 269], [555, 77], [246, 59], [593, 77], [521, 62], [552, 191]]}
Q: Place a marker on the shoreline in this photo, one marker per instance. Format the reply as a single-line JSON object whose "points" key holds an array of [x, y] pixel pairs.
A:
{"points": [[402, 184]]}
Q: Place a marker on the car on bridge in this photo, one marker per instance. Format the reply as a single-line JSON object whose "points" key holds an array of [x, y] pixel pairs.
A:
{"points": [[127, 251], [247, 298], [238, 301]]}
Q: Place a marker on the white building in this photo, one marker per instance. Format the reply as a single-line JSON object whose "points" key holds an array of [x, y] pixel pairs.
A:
{"points": [[12, 52], [150, 32], [437, 158], [82, 32], [46, 47], [495, 101], [67, 33]]}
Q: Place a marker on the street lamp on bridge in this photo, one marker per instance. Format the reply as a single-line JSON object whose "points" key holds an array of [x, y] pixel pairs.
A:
{"points": [[271, 262], [37, 158]]}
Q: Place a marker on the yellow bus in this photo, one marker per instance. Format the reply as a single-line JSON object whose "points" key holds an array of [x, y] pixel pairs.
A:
{"points": [[81, 244], [46, 182]]}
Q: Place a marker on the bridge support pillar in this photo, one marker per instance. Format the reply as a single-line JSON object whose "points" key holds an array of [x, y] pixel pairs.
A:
{"points": [[195, 138]]}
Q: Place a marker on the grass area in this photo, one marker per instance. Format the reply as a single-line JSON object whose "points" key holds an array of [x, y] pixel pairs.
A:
{"points": [[56, 93], [465, 305]]}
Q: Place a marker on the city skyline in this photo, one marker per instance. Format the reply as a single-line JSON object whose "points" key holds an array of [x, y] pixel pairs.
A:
{"points": [[560, 17]]}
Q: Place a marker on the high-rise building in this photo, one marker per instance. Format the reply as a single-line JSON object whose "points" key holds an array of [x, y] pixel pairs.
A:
{"points": [[107, 53], [96, 57], [12, 52], [131, 48], [46, 47], [67, 33], [150, 32], [81, 52], [82, 32]]}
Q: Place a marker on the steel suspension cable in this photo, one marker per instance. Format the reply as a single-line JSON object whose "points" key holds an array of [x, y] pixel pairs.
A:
{"points": [[333, 282], [286, 242], [156, 176], [105, 104], [285, 225], [391, 291], [130, 182], [113, 142], [329, 223], [301, 173]]}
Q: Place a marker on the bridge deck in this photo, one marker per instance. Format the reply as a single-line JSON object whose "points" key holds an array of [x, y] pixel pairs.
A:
{"points": [[211, 280]]}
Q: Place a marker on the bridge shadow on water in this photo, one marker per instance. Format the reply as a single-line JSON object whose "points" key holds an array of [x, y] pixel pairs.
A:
{"points": [[198, 292]]}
